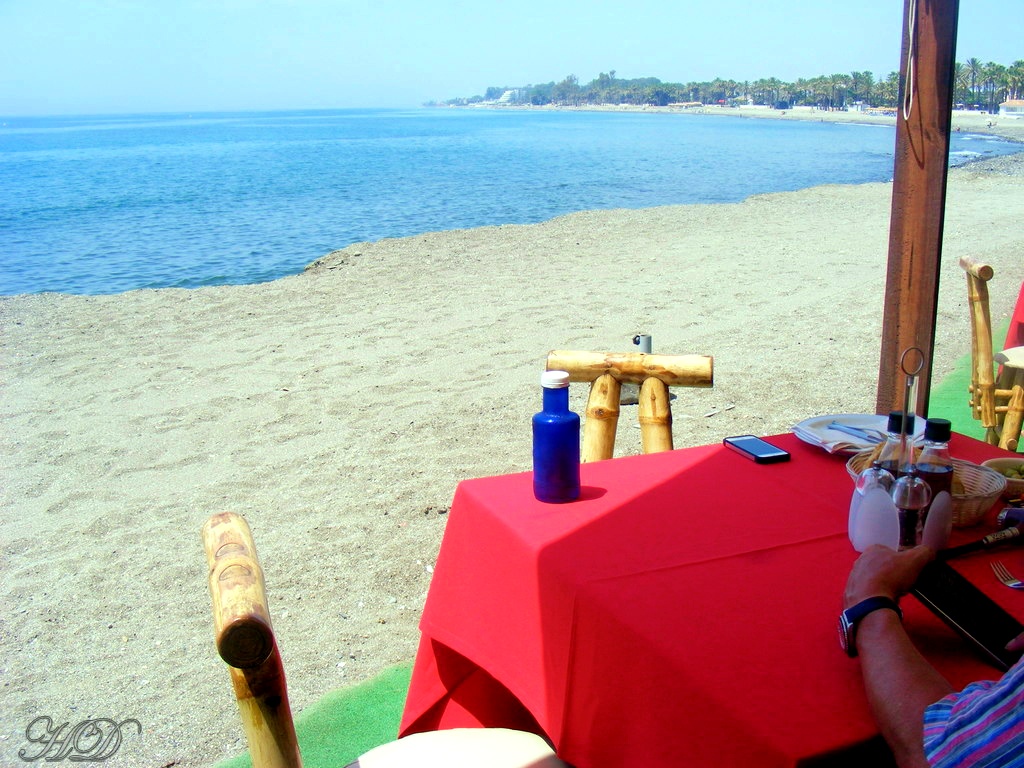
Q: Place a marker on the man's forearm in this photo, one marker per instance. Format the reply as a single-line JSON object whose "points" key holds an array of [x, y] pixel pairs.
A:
{"points": [[900, 684]]}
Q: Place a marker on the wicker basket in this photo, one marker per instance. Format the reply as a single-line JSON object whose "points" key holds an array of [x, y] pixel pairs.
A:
{"points": [[982, 487]]}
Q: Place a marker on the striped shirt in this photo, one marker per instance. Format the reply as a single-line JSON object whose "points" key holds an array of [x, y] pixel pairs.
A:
{"points": [[983, 725]]}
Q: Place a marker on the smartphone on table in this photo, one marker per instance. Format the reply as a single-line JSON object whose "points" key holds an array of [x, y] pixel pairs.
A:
{"points": [[760, 451]]}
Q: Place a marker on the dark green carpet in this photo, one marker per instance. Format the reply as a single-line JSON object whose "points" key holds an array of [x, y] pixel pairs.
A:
{"points": [[348, 722]]}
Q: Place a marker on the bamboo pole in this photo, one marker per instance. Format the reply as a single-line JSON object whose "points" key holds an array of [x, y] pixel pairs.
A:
{"points": [[602, 419], [1010, 438], [245, 640], [918, 195], [655, 416], [983, 383], [635, 367]]}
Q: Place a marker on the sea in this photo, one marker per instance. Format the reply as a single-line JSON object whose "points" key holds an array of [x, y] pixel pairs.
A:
{"points": [[111, 203]]}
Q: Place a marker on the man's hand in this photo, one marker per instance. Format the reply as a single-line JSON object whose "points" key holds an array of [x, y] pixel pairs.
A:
{"points": [[899, 682], [881, 571]]}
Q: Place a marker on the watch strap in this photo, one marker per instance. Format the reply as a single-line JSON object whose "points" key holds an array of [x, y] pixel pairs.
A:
{"points": [[853, 615]]}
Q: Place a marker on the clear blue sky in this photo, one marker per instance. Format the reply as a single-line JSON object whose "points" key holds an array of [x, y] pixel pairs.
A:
{"points": [[103, 56]]}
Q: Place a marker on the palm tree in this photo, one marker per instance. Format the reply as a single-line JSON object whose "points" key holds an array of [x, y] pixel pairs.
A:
{"points": [[858, 90], [887, 91], [974, 68], [1015, 80], [994, 80], [959, 83], [567, 91], [838, 85]]}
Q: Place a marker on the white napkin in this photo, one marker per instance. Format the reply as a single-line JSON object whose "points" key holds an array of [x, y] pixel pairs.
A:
{"points": [[841, 443]]}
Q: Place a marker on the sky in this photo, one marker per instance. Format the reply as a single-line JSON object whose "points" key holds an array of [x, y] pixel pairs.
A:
{"points": [[125, 56]]}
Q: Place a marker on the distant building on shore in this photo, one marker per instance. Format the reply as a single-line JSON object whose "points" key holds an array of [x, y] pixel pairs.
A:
{"points": [[1012, 108]]}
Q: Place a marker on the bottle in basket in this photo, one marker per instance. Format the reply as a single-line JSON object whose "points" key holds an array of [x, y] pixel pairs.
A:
{"points": [[934, 465], [891, 457]]}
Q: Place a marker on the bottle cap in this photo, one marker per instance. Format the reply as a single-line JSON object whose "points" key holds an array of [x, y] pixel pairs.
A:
{"points": [[937, 430], [896, 423], [554, 379]]}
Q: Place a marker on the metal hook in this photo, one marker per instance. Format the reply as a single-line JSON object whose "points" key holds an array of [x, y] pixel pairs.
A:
{"points": [[920, 361], [909, 397]]}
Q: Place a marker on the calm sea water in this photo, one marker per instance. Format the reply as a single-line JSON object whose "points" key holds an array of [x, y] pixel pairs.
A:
{"points": [[110, 203]]}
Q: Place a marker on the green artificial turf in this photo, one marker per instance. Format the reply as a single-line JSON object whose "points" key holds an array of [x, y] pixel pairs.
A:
{"points": [[347, 722], [948, 398]]}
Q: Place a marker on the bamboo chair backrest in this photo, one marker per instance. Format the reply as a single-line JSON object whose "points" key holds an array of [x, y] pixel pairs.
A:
{"points": [[983, 383], [998, 409], [607, 371], [245, 640]]}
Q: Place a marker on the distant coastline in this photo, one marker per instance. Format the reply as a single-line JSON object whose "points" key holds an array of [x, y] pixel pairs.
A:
{"points": [[966, 121]]}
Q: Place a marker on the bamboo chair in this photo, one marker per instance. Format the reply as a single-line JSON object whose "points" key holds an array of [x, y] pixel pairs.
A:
{"points": [[245, 640], [996, 401], [607, 371]]}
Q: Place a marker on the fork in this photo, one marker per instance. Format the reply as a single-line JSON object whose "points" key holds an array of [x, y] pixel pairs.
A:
{"points": [[864, 433], [1005, 576]]}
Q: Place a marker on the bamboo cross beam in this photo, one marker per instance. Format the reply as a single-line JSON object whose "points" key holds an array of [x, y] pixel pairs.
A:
{"points": [[607, 371], [635, 367], [245, 640]]}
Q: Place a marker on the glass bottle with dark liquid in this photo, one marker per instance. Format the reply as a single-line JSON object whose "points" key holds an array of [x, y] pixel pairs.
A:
{"points": [[911, 495], [934, 465], [891, 457]]}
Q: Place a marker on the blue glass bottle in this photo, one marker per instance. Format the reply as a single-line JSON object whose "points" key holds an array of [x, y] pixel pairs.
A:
{"points": [[556, 443]]}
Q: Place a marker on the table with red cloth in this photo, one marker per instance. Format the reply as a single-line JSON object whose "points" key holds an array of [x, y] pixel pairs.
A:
{"points": [[682, 612], [1015, 333]]}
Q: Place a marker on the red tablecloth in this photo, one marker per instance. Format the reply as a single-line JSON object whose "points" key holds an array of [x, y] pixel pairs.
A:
{"points": [[1015, 333], [682, 612]]}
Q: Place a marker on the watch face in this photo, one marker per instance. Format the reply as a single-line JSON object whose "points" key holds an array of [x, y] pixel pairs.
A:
{"points": [[846, 635], [849, 619]]}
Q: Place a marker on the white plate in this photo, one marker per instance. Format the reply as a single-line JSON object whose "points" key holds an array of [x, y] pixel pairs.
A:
{"points": [[815, 431]]}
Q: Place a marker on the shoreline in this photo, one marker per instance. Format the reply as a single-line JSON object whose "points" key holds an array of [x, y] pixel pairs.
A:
{"points": [[338, 409], [970, 120], [966, 121]]}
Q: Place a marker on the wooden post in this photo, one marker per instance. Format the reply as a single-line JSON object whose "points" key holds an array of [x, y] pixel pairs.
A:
{"points": [[245, 640], [655, 416], [1010, 438], [918, 195], [983, 385], [602, 419]]}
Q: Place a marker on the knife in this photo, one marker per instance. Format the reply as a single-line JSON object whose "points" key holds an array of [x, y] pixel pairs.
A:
{"points": [[1005, 536]]}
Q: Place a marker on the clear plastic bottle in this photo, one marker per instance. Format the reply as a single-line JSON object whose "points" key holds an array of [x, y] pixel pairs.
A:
{"points": [[891, 457], [556, 443], [934, 465]]}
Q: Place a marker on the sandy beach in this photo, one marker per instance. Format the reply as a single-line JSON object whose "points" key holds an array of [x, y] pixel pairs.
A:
{"points": [[967, 121], [338, 409], [962, 120]]}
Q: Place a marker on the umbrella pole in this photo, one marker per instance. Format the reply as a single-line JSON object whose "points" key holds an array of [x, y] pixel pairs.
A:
{"points": [[918, 194]]}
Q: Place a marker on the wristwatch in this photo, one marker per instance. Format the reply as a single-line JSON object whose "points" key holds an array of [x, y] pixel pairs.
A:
{"points": [[850, 618]]}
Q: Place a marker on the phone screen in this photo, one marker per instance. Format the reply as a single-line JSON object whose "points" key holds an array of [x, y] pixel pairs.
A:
{"points": [[757, 449]]}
